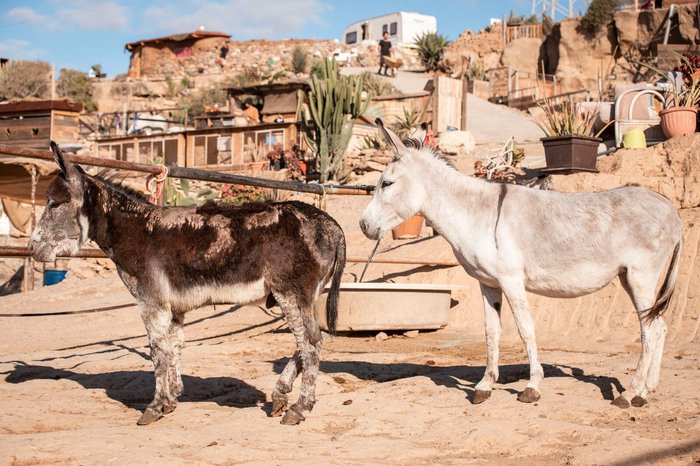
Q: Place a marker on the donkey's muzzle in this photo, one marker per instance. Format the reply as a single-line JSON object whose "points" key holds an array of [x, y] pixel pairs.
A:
{"points": [[368, 230]]}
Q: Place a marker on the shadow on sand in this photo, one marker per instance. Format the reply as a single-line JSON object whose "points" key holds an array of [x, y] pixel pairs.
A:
{"points": [[134, 389], [459, 377]]}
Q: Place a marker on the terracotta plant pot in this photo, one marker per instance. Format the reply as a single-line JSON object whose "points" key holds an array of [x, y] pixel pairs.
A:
{"points": [[677, 121], [409, 229], [571, 153]]}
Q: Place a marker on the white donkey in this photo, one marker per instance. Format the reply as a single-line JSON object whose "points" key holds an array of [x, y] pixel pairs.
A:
{"points": [[515, 239]]}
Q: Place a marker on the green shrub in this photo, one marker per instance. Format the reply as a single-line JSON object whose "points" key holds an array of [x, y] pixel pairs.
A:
{"points": [[373, 84], [76, 86], [404, 126], [431, 47], [299, 59], [599, 13], [25, 79]]}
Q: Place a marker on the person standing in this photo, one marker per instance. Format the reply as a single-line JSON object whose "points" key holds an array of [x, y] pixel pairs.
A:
{"points": [[384, 51]]}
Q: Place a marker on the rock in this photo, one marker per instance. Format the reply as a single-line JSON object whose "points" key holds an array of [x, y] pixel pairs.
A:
{"points": [[456, 142], [381, 336], [522, 54], [376, 166], [411, 334]]}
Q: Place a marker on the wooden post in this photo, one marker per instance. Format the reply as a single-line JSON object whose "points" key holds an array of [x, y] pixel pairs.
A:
{"points": [[505, 26], [465, 89], [436, 102]]}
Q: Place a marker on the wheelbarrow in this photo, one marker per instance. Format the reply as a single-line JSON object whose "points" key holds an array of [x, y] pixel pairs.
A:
{"points": [[393, 64]]}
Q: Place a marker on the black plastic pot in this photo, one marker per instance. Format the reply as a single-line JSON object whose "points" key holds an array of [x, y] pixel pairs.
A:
{"points": [[571, 153]]}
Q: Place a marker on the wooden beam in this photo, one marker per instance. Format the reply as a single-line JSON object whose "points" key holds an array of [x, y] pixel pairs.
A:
{"points": [[192, 173], [18, 251]]}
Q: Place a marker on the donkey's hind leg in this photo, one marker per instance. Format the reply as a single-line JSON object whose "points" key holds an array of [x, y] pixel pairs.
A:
{"points": [[492, 317], [308, 340], [166, 339], [285, 384], [641, 288]]}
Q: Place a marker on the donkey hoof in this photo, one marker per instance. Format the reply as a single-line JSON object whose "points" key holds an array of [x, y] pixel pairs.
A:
{"points": [[480, 396], [278, 406], [638, 402], [292, 417], [529, 395], [621, 402], [167, 409], [148, 417]]}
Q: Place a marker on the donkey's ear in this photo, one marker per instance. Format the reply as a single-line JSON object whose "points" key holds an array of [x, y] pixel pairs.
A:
{"points": [[417, 137], [70, 173], [421, 133], [391, 139]]}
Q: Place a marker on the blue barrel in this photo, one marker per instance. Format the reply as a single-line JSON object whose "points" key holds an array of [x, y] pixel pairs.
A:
{"points": [[52, 277]]}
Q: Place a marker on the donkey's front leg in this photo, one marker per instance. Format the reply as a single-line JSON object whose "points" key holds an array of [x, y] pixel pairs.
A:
{"points": [[517, 298], [166, 339], [492, 318]]}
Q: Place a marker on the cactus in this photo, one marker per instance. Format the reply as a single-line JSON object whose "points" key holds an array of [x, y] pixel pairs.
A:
{"points": [[181, 197], [335, 102]]}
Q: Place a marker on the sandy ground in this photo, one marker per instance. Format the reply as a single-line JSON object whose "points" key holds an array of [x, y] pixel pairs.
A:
{"points": [[72, 386]]}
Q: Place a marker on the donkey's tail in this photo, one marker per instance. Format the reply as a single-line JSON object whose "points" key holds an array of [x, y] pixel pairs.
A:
{"points": [[334, 292], [664, 297]]}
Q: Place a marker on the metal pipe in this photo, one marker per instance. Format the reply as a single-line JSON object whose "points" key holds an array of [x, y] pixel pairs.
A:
{"points": [[192, 173], [20, 251], [671, 9]]}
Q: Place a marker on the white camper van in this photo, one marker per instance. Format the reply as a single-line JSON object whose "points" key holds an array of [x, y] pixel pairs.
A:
{"points": [[402, 27]]}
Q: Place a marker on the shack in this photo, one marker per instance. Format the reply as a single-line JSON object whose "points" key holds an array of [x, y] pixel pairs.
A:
{"points": [[223, 140], [33, 123], [177, 54]]}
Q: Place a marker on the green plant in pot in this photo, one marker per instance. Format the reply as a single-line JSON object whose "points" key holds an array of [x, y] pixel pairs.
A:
{"points": [[681, 95], [679, 115], [569, 144]]}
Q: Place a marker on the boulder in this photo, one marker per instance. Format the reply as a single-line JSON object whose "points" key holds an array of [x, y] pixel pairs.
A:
{"points": [[456, 143]]}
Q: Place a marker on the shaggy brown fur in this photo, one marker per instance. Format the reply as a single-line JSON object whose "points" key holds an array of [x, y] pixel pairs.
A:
{"points": [[176, 259]]}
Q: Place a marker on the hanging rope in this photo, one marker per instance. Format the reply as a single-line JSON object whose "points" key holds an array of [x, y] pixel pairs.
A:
{"points": [[155, 182], [322, 198]]}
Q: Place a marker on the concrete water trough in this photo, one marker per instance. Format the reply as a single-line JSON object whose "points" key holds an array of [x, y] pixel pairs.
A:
{"points": [[388, 306]]}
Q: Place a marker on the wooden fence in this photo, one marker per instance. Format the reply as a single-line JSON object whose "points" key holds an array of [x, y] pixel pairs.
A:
{"points": [[526, 31]]}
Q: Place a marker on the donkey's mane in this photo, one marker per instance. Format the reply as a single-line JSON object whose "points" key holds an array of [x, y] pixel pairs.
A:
{"points": [[115, 181], [437, 156]]}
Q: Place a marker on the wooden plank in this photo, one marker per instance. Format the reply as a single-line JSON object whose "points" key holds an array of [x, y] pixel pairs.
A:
{"points": [[192, 173]]}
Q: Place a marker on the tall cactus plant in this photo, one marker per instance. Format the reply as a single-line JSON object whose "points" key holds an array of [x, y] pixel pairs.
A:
{"points": [[335, 102]]}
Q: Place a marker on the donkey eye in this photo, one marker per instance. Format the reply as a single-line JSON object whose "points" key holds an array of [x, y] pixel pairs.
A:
{"points": [[386, 184]]}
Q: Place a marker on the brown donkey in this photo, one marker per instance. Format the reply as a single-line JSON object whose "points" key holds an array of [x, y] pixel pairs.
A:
{"points": [[176, 259]]}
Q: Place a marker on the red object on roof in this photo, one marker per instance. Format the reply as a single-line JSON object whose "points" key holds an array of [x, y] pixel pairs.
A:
{"points": [[176, 38]]}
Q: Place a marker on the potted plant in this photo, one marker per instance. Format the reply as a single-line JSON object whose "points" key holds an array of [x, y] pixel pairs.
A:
{"points": [[568, 142], [409, 228], [679, 115]]}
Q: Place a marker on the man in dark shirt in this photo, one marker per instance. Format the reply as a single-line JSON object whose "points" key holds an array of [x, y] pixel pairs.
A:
{"points": [[384, 51]]}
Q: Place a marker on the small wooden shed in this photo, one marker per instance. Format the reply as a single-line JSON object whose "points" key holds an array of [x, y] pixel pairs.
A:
{"points": [[33, 123]]}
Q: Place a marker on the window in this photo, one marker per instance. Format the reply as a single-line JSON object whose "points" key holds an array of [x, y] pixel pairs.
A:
{"points": [[256, 144], [351, 37], [116, 151], [212, 150], [393, 28], [208, 150], [200, 146], [171, 152], [385, 28]]}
